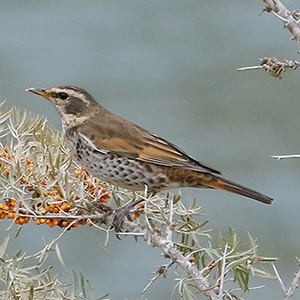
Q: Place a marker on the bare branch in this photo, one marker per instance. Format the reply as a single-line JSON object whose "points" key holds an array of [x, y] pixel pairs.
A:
{"points": [[288, 293], [295, 283], [279, 157], [289, 18], [162, 270], [279, 279]]}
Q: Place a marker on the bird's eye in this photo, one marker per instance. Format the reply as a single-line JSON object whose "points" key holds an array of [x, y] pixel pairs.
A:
{"points": [[63, 96]]}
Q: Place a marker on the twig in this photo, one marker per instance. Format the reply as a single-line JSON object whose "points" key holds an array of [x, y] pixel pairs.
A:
{"points": [[279, 279], [168, 228], [288, 293], [294, 284], [162, 270], [250, 68], [222, 276], [54, 241], [170, 250], [279, 157]]}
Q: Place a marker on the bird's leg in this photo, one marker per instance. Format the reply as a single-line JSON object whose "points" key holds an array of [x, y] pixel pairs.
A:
{"points": [[124, 212]]}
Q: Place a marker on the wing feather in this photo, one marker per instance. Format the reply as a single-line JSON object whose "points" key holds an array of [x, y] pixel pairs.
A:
{"points": [[127, 139]]}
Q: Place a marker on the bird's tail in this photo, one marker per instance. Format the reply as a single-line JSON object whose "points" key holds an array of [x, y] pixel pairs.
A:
{"points": [[217, 182]]}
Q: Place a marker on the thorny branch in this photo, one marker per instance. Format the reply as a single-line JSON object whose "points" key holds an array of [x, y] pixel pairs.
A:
{"points": [[290, 19], [288, 292], [295, 283]]}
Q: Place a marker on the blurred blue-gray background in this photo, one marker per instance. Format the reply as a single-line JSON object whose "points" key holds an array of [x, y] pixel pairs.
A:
{"points": [[169, 66]]}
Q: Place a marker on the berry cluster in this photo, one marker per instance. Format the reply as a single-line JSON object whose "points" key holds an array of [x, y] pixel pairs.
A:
{"points": [[9, 210], [55, 209]]}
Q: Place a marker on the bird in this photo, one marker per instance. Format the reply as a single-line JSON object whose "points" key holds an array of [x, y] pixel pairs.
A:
{"points": [[124, 154]]}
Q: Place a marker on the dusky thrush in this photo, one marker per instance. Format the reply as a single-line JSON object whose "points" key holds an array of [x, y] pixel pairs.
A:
{"points": [[122, 153]]}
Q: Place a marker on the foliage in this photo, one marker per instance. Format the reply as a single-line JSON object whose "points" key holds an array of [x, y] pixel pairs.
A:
{"points": [[40, 182]]}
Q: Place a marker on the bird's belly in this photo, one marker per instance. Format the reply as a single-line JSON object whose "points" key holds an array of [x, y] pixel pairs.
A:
{"points": [[122, 171]]}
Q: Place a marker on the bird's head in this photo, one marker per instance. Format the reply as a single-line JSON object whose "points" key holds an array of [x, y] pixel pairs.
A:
{"points": [[71, 102]]}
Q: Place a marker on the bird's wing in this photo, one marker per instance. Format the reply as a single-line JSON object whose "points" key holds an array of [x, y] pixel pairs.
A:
{"points": [[134, 142]]}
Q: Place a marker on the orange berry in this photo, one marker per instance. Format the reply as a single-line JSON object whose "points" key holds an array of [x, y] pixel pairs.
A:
{"points": [[2, 215], [136, 216], [51, 224], [51, 206], [56, 210], [106, 196], [12, 201], [48, 193], [21, 220], [24, 180], [42, 210], [81, 222], [55, 221], [64, 223], [5, 207], [6, 172], [77, 173], [66, 206], [10, 215]]}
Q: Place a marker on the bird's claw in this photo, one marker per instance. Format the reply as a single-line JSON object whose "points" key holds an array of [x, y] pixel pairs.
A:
{"points": [[122, 213]]}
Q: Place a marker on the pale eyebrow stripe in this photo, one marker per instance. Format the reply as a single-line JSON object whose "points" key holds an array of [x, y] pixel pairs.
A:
{"points": [[71, 93]]}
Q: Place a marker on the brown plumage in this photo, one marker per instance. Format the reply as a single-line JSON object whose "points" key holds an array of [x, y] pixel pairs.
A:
{"points": [[122, 153]]}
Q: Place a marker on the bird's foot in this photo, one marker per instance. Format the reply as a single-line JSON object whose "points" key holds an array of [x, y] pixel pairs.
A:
{"points": [[123, 213]]}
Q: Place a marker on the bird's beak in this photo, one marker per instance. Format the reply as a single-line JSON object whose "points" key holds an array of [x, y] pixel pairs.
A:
{"points": [[38, 91]]}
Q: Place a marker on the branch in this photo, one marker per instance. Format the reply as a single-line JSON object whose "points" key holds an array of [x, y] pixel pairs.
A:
{"points": [[170, 250], [279, 157], [288, 293], [289, 18]]}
